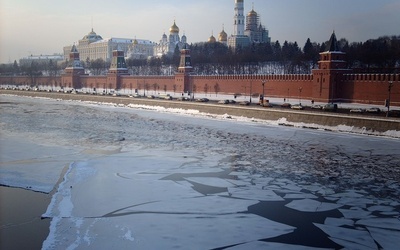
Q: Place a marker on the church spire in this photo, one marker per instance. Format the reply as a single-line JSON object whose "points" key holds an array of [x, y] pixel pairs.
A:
{"points": [[333, 43]]}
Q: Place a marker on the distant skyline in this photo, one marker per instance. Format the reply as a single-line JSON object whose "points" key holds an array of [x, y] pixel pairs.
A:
{"points": [[45, 27]]}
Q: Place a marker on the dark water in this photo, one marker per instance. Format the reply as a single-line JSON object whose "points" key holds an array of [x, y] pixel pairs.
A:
{"points": [[20, 218]]}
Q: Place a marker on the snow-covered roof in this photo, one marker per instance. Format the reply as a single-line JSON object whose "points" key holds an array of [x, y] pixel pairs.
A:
{"points": [[142, 41], [123, 40], [44, 57]]}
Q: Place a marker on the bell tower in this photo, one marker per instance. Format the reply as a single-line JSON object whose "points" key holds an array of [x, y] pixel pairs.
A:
{"points": [[238, 19], [331, 67]]}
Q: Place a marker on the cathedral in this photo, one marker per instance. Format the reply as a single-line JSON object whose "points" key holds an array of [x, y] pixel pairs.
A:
{"points": [[245, 33], [167, 44]]}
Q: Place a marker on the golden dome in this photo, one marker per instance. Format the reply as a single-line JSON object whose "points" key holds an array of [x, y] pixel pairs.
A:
{"points": [[252, 13], [135, 41], [212, 39], [223, 37], [174, 28]]}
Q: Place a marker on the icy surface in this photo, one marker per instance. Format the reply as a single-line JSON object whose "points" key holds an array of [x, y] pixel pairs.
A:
{"points": [[152, 178]]}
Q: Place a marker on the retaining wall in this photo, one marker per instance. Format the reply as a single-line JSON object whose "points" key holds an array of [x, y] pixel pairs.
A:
{"points": [[325, 119]]}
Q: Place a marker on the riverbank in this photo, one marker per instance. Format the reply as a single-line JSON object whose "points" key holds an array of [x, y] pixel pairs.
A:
{"points": [[352, 123], [133, 173]]}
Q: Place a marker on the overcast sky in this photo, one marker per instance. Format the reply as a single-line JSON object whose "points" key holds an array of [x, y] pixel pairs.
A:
{"points": [[45, 26]]}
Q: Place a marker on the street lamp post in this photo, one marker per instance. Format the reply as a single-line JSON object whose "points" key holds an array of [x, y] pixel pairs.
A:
{"points": [[262, 101], [300, 89], [388, 100], [251, 85]]}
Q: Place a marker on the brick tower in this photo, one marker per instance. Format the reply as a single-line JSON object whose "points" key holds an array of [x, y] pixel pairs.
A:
{"points": [[182, 77], [331, 67], [73, 72], [117, 69]]}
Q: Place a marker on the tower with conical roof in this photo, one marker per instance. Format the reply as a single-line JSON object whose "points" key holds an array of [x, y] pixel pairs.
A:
{"points": [[117, 69], [73, 72], [182, 76], [328, 76]]}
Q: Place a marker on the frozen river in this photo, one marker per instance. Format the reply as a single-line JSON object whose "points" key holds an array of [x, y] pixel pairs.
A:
{"points": [[134, 178]]}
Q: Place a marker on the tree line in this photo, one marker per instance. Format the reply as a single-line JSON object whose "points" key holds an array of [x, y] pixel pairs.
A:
{"points": [[380, 55]]}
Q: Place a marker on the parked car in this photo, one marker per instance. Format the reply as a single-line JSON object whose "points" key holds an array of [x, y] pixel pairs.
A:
{"points": [[182, 99], [314, 106], [223, 102], [394, 113], [165, 96], [373, 110], [357, 110], [244, 103], [267, 105], [297, 106], [286, 105], [330, 107], [151, 97], [202, 100]]}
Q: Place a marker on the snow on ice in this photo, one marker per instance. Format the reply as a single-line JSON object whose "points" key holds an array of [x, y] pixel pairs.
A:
{"points": [[149, 178]]}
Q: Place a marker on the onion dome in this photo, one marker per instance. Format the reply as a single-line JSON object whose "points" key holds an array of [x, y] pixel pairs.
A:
{"points": [[174, 28], [183, 38], [212, 39], [223, 37], [252, 13], [135, 41]]}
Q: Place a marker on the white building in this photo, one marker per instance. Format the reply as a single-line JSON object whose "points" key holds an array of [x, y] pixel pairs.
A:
{"points": [[93, 46], [140, 49], [167, 45], [254, 32], [238, 38], [55, 58]]}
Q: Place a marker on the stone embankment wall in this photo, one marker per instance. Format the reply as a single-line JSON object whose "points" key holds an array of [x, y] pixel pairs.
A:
{"points": [[379, 124]]}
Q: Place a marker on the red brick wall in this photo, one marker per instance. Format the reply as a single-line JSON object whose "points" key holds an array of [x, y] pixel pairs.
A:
{"points": [[30, 81], [284, 86], [368, 88]]}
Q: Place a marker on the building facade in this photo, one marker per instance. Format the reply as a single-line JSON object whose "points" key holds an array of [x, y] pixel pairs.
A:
{"points": [[140, 49], [167, 44], [256, 32], [93, 46], [247, 33], [56, 58]]}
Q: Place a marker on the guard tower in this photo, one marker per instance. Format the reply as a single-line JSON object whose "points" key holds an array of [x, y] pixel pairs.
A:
{"points": [[331, 67], [73, 72], [117, 69], [182, 77]]}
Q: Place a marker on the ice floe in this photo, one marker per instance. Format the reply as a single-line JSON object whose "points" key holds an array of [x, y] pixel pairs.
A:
{"points": [[309, 205]]}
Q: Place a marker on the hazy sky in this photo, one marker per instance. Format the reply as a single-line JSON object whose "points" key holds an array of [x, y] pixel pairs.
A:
{"points": [[45, 26]]}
